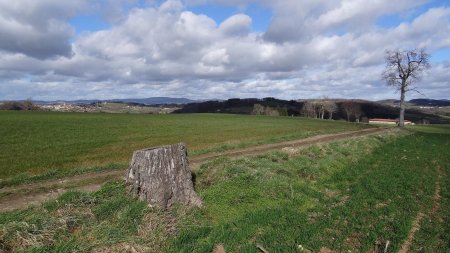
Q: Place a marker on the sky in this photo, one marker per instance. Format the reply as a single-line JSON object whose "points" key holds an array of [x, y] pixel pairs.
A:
{"points": [[217, 49]]}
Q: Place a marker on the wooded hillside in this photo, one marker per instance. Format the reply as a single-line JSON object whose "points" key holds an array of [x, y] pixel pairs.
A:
{"points": [[351, 110]]}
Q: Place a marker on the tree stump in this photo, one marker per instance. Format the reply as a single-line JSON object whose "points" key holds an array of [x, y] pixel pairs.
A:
{"points": [[162, 176]]}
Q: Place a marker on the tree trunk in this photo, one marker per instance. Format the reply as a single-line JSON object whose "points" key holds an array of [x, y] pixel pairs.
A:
{"points": [[162, 176], [401, 122]]}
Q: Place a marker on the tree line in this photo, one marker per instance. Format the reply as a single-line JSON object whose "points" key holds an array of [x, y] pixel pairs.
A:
{"points": [[26, 105], [326, 108]]}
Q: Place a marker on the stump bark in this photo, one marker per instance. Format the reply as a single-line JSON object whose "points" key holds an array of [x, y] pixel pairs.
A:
{"points": [[162, 176]]}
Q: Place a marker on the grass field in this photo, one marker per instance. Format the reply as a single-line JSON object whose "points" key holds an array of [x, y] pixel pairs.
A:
{"points": [[39, 142], [442, 129], [346, 196]]}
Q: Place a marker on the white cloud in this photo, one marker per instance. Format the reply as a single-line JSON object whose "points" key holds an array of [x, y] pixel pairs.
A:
{"points": [[37, 28], [167, 50], [360, 14], [171, 6], [237, 25], [214, 62]]}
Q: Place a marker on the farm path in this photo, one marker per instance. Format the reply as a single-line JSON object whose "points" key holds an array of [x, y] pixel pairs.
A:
{"points": [[22, 196]]}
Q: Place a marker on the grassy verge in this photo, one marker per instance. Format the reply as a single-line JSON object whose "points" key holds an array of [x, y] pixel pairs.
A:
{"points": [[347, 195], [79, 222]]}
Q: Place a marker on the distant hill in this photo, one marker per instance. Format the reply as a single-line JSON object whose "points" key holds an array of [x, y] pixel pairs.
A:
{"points": [[241, 106], [418, 102], [143, 101], [389, 101], [377, 110], [294, 108], [430, 102], [154, 100]]}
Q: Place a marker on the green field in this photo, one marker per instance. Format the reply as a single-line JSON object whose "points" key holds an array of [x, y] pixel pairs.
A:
{"points": [[38, 142], [442, 129], [346, 196]]}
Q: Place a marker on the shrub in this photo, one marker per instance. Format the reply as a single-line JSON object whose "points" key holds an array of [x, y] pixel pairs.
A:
{"points": [[26, 105]]}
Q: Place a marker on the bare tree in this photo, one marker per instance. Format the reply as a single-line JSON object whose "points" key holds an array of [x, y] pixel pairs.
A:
{"points": [[347, 106], [352, 109], [308, 109], [258, 109], [357, 111], [403, 68], [28, 104], [320, 106], [330, 107], [316, 109]]}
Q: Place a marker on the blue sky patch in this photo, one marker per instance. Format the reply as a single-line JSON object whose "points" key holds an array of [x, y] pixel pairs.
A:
{"points": [[217, 12], [89, 23], [440, 55], [261, 16], [393, 20]]}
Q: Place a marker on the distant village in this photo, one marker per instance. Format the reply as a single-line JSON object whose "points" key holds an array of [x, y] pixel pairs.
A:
{"points": [[63, 107], [106, 107]]}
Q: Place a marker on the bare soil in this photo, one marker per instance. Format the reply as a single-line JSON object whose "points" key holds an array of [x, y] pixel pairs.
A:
{"points": [[22, 196]]}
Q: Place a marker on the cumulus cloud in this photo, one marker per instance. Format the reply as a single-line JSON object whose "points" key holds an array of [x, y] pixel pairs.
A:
{"points": [[294, 20], [360, 15], [237, 25], [311, 48], [37, 28]]}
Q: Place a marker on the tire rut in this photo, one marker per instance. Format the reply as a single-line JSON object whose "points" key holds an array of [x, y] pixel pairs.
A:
{"points": [[406, 246]]}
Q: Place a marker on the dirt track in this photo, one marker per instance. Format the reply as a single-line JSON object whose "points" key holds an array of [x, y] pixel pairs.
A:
{"points": [[22, 196]]}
